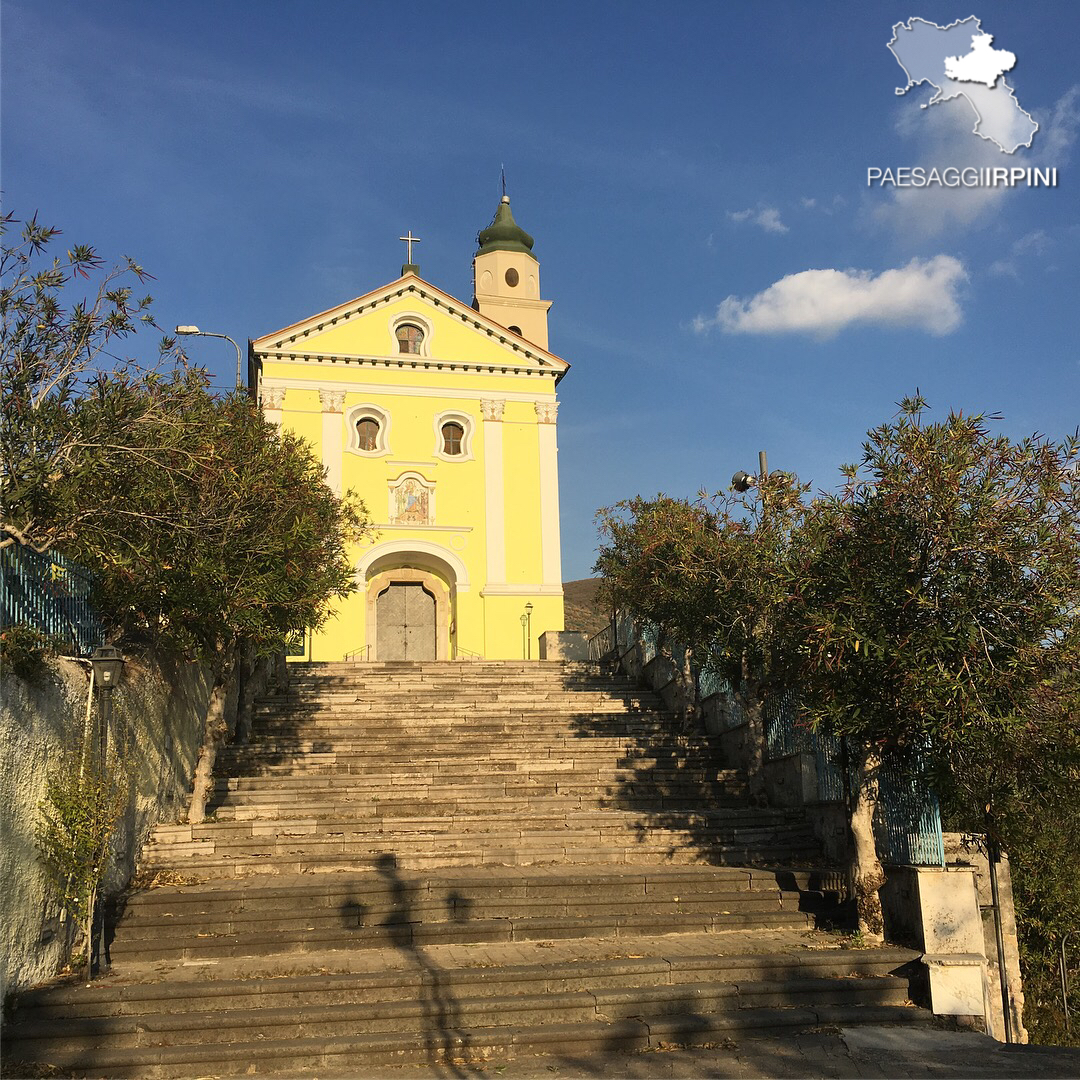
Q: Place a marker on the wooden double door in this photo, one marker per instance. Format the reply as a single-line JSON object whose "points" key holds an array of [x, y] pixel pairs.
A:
{"points": [[405, 627]]}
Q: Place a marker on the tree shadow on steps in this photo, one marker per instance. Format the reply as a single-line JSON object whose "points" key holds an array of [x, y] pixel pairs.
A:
{"points": [[670, 773], [446, 1040]]}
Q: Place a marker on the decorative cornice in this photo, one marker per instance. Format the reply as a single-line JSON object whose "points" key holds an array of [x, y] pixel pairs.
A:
{"points": [[503, 589], [546, 411], [408, 360], [492, 408]]}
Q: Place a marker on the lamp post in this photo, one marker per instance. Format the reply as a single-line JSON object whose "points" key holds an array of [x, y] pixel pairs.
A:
{"points": [[194, 331], [108, 664], [524, 636], [743, 481], [528, 631]]}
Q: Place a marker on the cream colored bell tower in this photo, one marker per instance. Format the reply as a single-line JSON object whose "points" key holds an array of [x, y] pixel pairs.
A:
{"points": [[506, 278]]}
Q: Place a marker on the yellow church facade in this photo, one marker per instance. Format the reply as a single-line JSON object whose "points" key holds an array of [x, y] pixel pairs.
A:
{"points": [[441, 416]]}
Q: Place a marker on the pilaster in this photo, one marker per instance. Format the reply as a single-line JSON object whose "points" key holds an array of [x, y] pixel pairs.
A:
{"points": [[550, 543], [332, 402], [494, 502]]}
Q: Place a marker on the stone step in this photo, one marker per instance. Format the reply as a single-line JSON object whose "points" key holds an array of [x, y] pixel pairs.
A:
{"points": [[478, 883], [129, 996], [386, 912], [405, 819], [381, 750], [452, 1046], [192, 865], [716, 825], [464, 845], [479, 786], [410, 1013], [489, 704], [305, 808], [474, 738], [252, 939], [521, 669], [596, 771]]}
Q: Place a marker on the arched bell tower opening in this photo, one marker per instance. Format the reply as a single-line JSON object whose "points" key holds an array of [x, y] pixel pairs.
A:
{"points": [[410, 602]]}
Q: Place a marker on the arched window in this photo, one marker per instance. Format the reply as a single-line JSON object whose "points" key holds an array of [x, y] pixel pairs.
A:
{"points": [[369, 429], [367, 433], [453, 431], [453, 436], [409, 338]]}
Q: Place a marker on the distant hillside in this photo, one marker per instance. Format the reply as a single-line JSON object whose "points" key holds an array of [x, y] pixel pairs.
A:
{"points": [[584, 610]]}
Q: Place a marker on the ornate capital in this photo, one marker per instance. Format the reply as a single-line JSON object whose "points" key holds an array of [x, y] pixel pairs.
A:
{"points": [[273, 397], [332, 400], [546, 411], [492, 408]]}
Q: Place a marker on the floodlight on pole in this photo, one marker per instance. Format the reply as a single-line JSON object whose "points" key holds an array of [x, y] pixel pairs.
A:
{"points": [[743, 481], [194, 331]]}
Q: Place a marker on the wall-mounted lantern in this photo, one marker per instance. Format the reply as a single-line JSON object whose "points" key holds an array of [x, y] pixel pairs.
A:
{"points": [[108, 665]]}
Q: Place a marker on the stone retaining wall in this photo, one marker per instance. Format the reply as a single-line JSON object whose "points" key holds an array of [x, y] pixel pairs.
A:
{"points": [[160, 711]]}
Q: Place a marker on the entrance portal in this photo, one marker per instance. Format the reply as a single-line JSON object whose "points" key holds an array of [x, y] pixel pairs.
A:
{"points": [[405, 622]]}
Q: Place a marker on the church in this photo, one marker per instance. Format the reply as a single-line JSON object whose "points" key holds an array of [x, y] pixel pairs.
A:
{"points": [[441, 416]]}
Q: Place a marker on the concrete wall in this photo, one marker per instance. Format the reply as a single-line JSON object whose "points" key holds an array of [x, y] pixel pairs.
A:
{"points": [[159, 711], [948, 915], [961, 852]]}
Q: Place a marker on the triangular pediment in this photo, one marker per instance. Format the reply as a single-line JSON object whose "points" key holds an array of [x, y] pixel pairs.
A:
{"points": [[365, 327]]}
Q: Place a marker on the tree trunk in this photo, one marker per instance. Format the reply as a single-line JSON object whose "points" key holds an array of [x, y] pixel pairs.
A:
{"points": [[688, 697], [280, 674], [749, 697], [217, 727], [866, 874], [253, 677], [91, 902]]}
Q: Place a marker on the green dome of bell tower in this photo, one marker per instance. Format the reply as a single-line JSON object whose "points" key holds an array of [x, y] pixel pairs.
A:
{"points": [[506, 278], [504, 233]]}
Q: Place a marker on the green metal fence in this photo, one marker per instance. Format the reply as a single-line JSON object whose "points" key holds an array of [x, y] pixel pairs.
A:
{"points": [[908, 819], [51, 594]]}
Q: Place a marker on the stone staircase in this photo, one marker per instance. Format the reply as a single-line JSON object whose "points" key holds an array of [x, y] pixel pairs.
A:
{"points": [[456, 863]]}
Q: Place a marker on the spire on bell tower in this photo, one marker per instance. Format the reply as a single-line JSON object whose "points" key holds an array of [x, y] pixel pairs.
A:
{"points": [[506, 277]]}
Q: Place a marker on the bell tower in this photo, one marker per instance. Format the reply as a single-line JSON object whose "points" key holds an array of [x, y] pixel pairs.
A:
{"points": [[506, 278]]}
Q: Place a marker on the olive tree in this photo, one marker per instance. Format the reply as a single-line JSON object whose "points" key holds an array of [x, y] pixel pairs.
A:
{"points": [[937, 610], [714, 575]]}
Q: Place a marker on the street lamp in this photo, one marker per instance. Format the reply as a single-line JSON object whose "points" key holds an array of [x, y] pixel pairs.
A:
{"points": [[528, 631], [194, 331], [524, 636], [107, 664], [743, 481]]}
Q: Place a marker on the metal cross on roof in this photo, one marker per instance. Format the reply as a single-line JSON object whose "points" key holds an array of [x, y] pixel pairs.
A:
{"points": [[409, 241]]}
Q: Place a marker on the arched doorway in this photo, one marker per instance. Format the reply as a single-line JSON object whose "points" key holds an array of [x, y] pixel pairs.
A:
{"points": [[411, 593], [405, 625]]}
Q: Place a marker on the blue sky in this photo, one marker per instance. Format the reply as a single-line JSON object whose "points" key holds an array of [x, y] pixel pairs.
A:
{"points": [[675, 164]]}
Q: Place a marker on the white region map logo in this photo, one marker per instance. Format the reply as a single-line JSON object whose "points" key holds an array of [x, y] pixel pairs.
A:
{"points": [[959, 60]]}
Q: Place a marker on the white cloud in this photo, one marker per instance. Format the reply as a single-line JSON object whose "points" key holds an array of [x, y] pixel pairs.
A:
{"points": [[1034, 244], [921, 295], [943, 137], [768, 217], [1059, 133]]}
